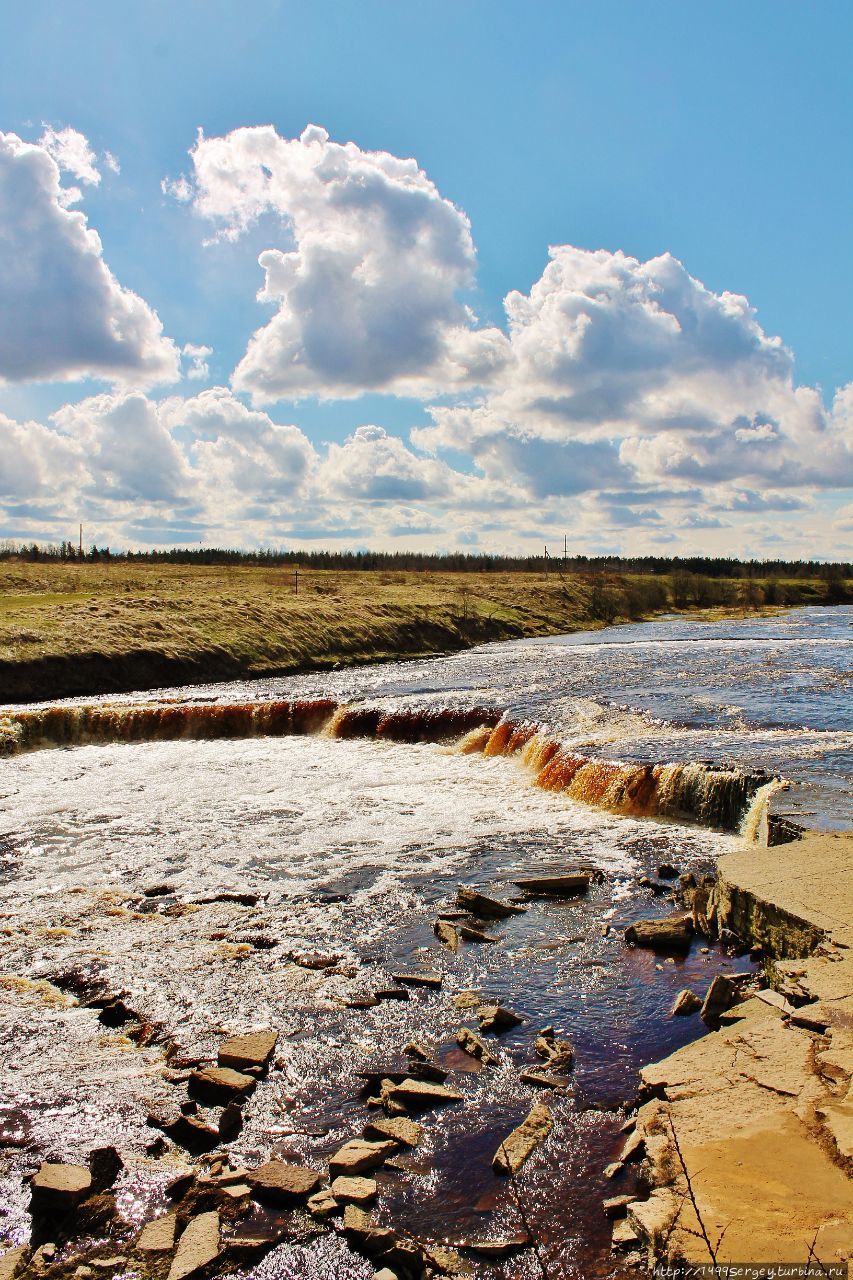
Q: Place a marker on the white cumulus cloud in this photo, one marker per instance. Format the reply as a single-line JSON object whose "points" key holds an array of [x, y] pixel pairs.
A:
{"points": [[63, 314], [366, 271]]}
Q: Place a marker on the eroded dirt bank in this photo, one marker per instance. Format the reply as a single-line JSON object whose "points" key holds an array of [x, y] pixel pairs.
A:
{"points": [[748, 1132]]}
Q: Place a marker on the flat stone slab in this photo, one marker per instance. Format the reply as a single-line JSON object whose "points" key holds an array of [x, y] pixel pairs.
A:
{"points": [[60, 1187], [422, 1095], [425, 978], [480, 904], [13, 1261], [197, 1248], [220, 1084], [251, 1050], [515, 1149], [280, 1182], [394, 1129], [670, 936], [559, 886], [359, 1156], [353, 1190], [158, 1236]]}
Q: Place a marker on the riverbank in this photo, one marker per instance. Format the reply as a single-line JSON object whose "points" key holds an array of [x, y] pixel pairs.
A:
{"points": [[82, 629], [748, 1132]]}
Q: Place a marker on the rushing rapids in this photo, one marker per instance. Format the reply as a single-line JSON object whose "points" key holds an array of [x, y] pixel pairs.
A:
{"points": [[199, 851], [700, 792]]}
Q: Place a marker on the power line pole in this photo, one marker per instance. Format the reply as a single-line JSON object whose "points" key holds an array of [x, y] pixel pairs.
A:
{"points": [[81, 542]]}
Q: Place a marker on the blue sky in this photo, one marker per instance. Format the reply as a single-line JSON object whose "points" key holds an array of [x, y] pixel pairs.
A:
{"points": [[715, 134]]}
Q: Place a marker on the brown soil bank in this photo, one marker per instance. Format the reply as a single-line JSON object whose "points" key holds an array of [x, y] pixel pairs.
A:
{"points": [[76, 628], [748, 1132]]}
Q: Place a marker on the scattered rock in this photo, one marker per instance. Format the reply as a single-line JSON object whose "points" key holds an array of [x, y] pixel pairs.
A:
{"points": [[105, 1164], [421, 1095], [515, 1149], [470, 934], [476, 1046], [544, 1080], [721, 995], [359, 1156], [624, 1236], [281, 1183], [487, 908], [494, 1017], [732, 944], [633, 1148], [685, 1002], [322, 1204], [59, 1188], [191, 1134], [560, 1054], [391, 993], [252, 1050], [671, 935], [197, 1248], [158, 1236], [361, 1002], [447, 934], [220, 1084], [348, 1190], [385, 1274], [230, 1122], [616, 1206], [394, 1129], [313, 960], [179, 1186], [159, 890], [13, 1261], [467, 1000], [424, 978], [613, 1169], [500, 1247], [656, 886], [666, 871], [559, 886]]}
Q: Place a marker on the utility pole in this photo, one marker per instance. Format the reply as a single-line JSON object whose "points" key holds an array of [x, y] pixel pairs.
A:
{"points": [[296, 581], [81, 542]]}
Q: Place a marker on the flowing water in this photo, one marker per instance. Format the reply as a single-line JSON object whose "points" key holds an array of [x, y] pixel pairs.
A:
{"points": [[354, 803]]}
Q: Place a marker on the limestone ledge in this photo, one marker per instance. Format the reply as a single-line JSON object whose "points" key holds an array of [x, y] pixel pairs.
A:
{"points": [[759, 1114]]}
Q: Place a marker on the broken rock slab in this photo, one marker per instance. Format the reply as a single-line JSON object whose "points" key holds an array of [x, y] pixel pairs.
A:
{"points": [[158, 1236], [494, 1017], [281, 1183], [422, 978], [245, 1051], [532, 1131], [394, 1129], [59, 1188], [721, 995], [447, 934], [353, 1190], [13, 1261], [479, 904], [559, 886], [219, 1085], [197, 1248], [422, 1095], [359, 1156], [471, 1043], [672, 935], [686, 1002]]}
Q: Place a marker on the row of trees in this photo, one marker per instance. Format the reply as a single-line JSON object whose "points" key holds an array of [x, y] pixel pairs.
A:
{"points": [[694, 574]]}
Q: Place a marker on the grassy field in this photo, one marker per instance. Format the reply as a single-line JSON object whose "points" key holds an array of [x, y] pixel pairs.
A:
{"points": [[80, 628]]}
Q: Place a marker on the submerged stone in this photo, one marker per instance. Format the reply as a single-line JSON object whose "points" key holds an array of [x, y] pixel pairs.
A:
{"points": [[280, 1182], [515, 1149], [479, 904], [673, 934]]}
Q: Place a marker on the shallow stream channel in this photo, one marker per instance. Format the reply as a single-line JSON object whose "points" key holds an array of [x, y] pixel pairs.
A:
{"points": [[182, 867]]}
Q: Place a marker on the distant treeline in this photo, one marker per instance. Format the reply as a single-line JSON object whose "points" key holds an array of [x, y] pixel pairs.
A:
{"points": [[453, 562]]}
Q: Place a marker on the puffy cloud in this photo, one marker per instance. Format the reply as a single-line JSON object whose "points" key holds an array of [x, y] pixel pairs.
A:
{"points": [[36, 461], [631, 373], [63, 315], [71, 151], [367, 275], [197, 357], [374, 466]]}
